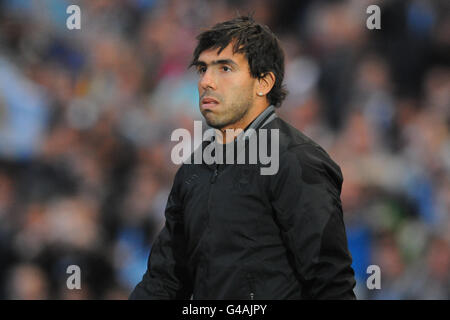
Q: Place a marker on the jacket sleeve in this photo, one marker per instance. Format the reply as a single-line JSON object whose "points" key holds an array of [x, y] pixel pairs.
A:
{"points": [[306, 199], [167, 276]]}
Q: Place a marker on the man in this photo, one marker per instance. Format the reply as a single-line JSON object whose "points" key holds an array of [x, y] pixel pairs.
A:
{"points": [[232, 232]]}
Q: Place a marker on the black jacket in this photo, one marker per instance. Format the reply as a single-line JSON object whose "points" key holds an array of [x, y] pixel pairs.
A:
{"points": [[232, 233]]}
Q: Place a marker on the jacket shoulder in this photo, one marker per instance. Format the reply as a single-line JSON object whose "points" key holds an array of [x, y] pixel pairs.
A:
{"points": [[312, 158], [289, 136]]}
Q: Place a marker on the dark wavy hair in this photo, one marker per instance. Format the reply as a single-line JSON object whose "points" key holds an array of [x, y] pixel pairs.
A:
{"points": [[257, 42]]}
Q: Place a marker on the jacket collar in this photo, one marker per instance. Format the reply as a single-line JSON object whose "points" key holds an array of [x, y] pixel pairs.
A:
{"points": [[260, 121]]}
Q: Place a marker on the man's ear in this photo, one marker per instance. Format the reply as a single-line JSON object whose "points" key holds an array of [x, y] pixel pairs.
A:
{"points": [[265, 83]]}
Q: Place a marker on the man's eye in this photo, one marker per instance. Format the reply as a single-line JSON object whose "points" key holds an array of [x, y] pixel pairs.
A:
{"points": [[226, 69], [201, 70]]}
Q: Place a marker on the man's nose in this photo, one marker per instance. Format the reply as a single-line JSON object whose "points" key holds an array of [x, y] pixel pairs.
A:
{"points": [[207, 80]]}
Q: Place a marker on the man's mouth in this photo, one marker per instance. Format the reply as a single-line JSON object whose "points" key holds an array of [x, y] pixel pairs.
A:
{"points": [[208, 103]]}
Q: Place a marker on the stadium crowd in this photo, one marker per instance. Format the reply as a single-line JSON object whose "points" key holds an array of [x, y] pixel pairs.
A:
{"points": [[86, 117]]}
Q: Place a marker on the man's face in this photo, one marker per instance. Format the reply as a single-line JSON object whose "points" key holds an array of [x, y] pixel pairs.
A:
{"points": [[226, 88]]}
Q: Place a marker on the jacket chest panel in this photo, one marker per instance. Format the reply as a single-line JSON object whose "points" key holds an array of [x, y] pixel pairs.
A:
{"points": [[229, 209]]}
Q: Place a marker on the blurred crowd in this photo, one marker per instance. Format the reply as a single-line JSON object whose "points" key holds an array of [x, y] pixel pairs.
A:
{"points": [[86, 117]]}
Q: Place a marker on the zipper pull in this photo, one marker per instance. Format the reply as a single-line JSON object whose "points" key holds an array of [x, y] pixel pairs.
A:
{"points": [[251, 286], [214, 176]]}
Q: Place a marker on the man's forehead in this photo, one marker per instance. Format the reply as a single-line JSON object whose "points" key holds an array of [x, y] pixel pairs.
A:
{"points": [[227, 53]]}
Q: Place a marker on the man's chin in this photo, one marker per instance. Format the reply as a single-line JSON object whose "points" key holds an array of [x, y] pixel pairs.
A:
{"points": [[214, 124], [212, 121]]}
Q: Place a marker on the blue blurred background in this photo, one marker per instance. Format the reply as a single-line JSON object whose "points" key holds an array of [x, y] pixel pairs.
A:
{"points": [[86, 117]]}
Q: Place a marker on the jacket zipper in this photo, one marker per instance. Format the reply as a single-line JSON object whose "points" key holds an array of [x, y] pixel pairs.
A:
{"points": [[212, 181], [252, 288], [214, 176]]}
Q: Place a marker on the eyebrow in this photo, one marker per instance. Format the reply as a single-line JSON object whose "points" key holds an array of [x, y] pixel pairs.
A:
{"points": [[216, 62]]}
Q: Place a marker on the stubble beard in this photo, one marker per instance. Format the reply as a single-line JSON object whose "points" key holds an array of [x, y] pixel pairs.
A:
{"points": [[231, 115]]}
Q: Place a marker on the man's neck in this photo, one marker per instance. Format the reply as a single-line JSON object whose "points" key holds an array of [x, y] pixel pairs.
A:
{"points": [[230, 132]]}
